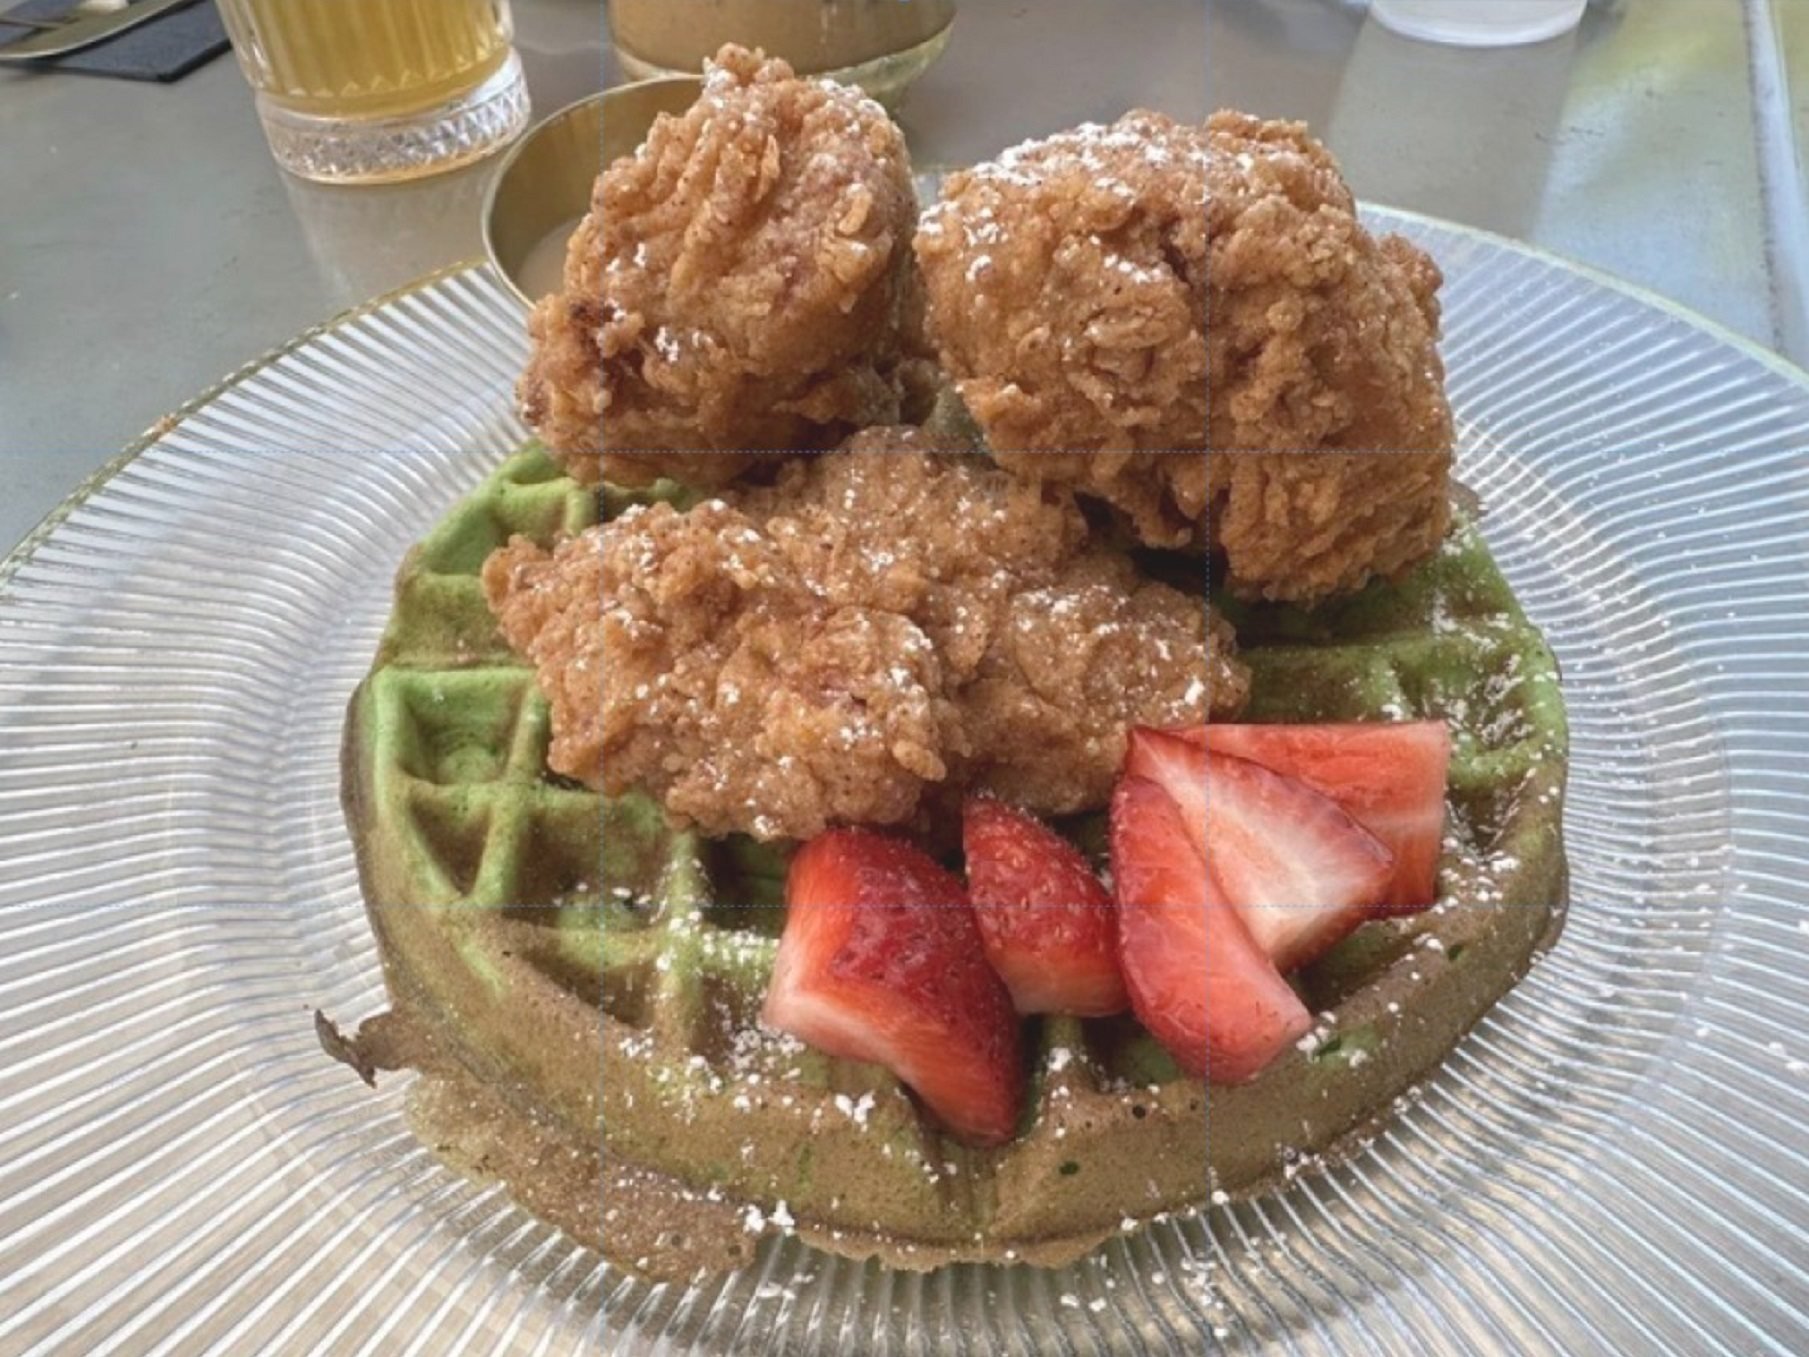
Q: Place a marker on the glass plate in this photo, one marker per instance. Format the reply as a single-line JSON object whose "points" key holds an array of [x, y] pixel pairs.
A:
{"points": [[1614, 1160]]}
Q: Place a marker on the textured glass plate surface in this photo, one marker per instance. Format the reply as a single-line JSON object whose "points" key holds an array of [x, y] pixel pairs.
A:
{"points": [[1615, 1160]]}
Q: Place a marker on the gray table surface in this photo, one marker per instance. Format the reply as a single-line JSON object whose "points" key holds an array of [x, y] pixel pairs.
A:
{"points": [[148, 245]]}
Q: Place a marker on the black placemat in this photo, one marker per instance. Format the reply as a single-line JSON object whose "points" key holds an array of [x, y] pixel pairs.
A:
{"points": [[165, 48]]}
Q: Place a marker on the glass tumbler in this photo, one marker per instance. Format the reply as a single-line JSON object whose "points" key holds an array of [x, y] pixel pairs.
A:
{"points": [[1479, 23], [371, 91], [880, 45]]}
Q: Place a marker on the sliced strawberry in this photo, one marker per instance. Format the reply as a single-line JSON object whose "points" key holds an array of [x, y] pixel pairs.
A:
{"points": [[1049, 927], [1390, 776], [1176, 765], [881, 961], [1299, 869], [1302, 872], [1197, 979]]}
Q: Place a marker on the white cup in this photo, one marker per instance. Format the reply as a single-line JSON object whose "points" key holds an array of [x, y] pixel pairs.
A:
{"points": [[1479, 23]]}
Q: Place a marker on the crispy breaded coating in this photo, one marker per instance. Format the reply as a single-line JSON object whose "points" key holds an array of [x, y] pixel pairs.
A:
{"points": [[1322, 338], [878, 627], [1067, 294], [743, 283], [561, 391], [1311, 526], [1168, 316], [549, 607]]}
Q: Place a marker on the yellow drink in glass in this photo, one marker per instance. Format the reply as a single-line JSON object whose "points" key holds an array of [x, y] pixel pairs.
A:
{"points": [[374, 90], [881, 45]]}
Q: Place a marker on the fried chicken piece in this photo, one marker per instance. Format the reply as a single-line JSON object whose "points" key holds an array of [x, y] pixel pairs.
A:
{"points": [[560, 393], [1067, 291], [1071, 283], [875, 628], [1324, 358], [742, 284], [549, 607]]}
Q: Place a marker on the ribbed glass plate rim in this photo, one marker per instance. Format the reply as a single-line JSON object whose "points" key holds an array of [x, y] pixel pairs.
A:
{"points": [[23, 550]]}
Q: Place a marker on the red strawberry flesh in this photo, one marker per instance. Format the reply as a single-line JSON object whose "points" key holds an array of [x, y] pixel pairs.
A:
{"points": [[1049, 927], [881, 961], [1390, 777], [1301, 872], [1196, 977]]}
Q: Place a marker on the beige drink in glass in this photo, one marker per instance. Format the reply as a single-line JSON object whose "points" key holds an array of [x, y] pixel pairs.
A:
{"points": [[374, 90], [881, 45]]}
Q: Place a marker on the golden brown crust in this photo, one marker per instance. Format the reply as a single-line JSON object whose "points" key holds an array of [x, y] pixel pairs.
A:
{"points": [[548, 606], [1106, 332], [1309, 526], [1067, 286], [1066, 281], [877, 627], [1321, 338], [561, 391], [743, 284]]}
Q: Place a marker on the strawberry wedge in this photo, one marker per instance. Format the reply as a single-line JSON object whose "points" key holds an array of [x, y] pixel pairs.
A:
{"points": [[1048, 925], [1300, 871], [1390, 777], [1197, 980], [881, 961]]}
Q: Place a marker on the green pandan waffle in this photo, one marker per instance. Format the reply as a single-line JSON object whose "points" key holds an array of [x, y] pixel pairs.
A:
{"points": [[581, 982]]}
